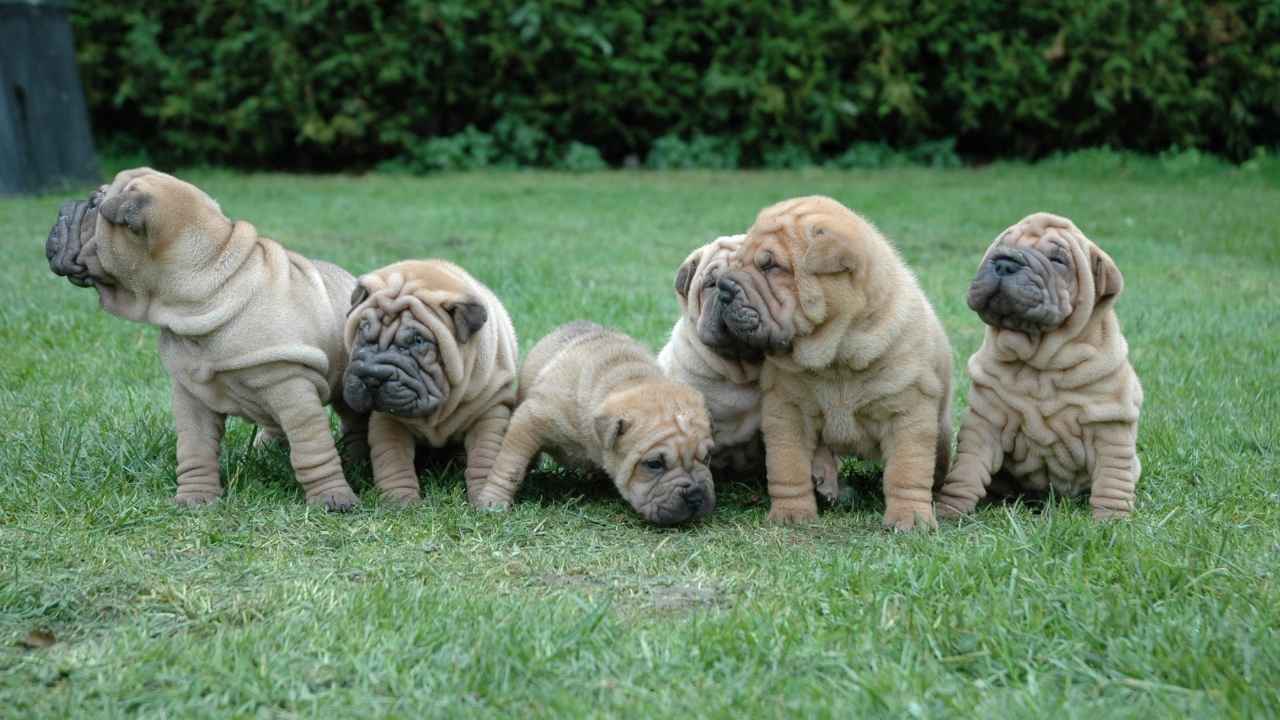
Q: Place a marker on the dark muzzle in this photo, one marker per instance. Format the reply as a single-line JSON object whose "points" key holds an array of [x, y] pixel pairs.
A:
{"points": [[76, 219]]}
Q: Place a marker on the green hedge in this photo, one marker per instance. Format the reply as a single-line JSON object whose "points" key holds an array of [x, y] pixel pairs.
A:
{"points": [[426, 85]]}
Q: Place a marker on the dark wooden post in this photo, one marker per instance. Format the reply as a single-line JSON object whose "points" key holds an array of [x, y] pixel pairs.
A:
{"points": [[45, 141]]}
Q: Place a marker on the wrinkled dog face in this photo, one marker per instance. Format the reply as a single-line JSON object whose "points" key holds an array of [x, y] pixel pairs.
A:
{"points": [[658, 451], [1034, 277], [775, 281], [398, 342], [122, 238], [705, 306]]}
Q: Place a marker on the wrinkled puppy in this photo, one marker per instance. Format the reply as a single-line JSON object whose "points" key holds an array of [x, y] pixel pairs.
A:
{"points": [[596, 398], [855, 357], [247, 328], [704, 355], [1055, 401], [433, 356]]}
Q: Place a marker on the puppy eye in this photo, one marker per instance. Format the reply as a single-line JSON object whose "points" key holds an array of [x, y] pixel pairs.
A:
{"points": [[1058, 259], [420, 341], [655, 464]]}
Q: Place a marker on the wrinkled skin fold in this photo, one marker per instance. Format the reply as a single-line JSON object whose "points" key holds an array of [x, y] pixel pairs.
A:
{"points": [[855, 358], [1054, 403], [247, 328], [432, 354], [596, 398]]}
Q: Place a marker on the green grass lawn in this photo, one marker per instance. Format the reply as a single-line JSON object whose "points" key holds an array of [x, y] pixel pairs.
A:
{"points": [[569, 604]]}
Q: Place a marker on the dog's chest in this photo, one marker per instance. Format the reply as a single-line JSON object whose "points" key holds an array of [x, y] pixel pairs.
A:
{"points": [[1045, 445], [850, 418], [226, 393], [735, 414]]}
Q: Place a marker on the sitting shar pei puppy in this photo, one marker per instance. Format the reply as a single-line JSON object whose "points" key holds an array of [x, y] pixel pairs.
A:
{"points": [[247, 328], [597, 399], [704, 355], [433, 355], [855, 358], [1055, 401]]}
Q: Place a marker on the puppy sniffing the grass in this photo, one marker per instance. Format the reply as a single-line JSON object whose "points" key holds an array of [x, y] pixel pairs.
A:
{"points": [[247, 328], [704, 355], [855, 357], [596, 398], [433, 356], [1054, 402]]}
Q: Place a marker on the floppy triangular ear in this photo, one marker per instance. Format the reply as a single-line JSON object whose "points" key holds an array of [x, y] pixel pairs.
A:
{"points": [[126, 209], [830, 251], [359, 295], [684, 276], [609, 429], [1107, 280], [468, 318]]}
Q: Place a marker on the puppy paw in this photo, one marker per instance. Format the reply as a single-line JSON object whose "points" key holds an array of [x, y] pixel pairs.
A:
{"points": [[339, 500], [195, 499], [790, 513], [826, 480], [950, 507], [490, 501], [908, 518], [401, 497], [1102, 514]]}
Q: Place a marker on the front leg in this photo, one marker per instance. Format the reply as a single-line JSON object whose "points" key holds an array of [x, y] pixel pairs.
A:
{"points": [[521, 442], [788, 451], [199, 441], [1115, 471], [391, 447], [910, 456], [483, 443], [979, 456], [353, 438], [314, 457]]}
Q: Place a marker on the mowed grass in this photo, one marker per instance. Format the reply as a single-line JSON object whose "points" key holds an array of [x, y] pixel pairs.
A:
{"points": [[569, 605]]}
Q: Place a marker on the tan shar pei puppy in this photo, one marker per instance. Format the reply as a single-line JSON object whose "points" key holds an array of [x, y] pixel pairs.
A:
{"points": [[704, 355], [247, 328], [433, 355], [596, 399], [855, 358], [1055, 401]]}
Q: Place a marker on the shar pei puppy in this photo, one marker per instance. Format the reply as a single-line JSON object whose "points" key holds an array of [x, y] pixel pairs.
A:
{"points": [[1054, 402], [433, 357], [247, 328], [854, 356], [704, 355], [596, 398]]}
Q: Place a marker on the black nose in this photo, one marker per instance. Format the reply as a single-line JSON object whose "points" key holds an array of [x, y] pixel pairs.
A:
{"points": [[1005, 266], [373, 375], [694, 497], [728, 289]]}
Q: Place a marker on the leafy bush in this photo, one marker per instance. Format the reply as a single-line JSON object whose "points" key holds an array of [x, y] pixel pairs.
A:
{"points": [[671, 152], [351, 83]]}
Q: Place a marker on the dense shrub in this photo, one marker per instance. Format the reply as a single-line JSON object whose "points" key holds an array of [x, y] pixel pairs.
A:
{"points": [[457, 83]]}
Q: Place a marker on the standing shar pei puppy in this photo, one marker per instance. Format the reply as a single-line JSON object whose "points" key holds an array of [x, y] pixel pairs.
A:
{"points": [[1055, 401], [433, 355], [597, 399], [247, 328], [704, 355], [854, 356]]}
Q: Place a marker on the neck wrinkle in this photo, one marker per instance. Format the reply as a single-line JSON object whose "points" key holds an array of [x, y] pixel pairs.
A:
{"points": [[212, 297]]}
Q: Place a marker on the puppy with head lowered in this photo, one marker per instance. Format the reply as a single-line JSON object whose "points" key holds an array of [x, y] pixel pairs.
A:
{"points": [[854, 356], [703, 354], [433, 356], [1054, 402], [595, 398], [247, 328]]}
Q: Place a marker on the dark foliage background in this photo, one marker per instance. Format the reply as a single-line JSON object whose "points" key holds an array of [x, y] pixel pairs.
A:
{"points": [[723, 83]]}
